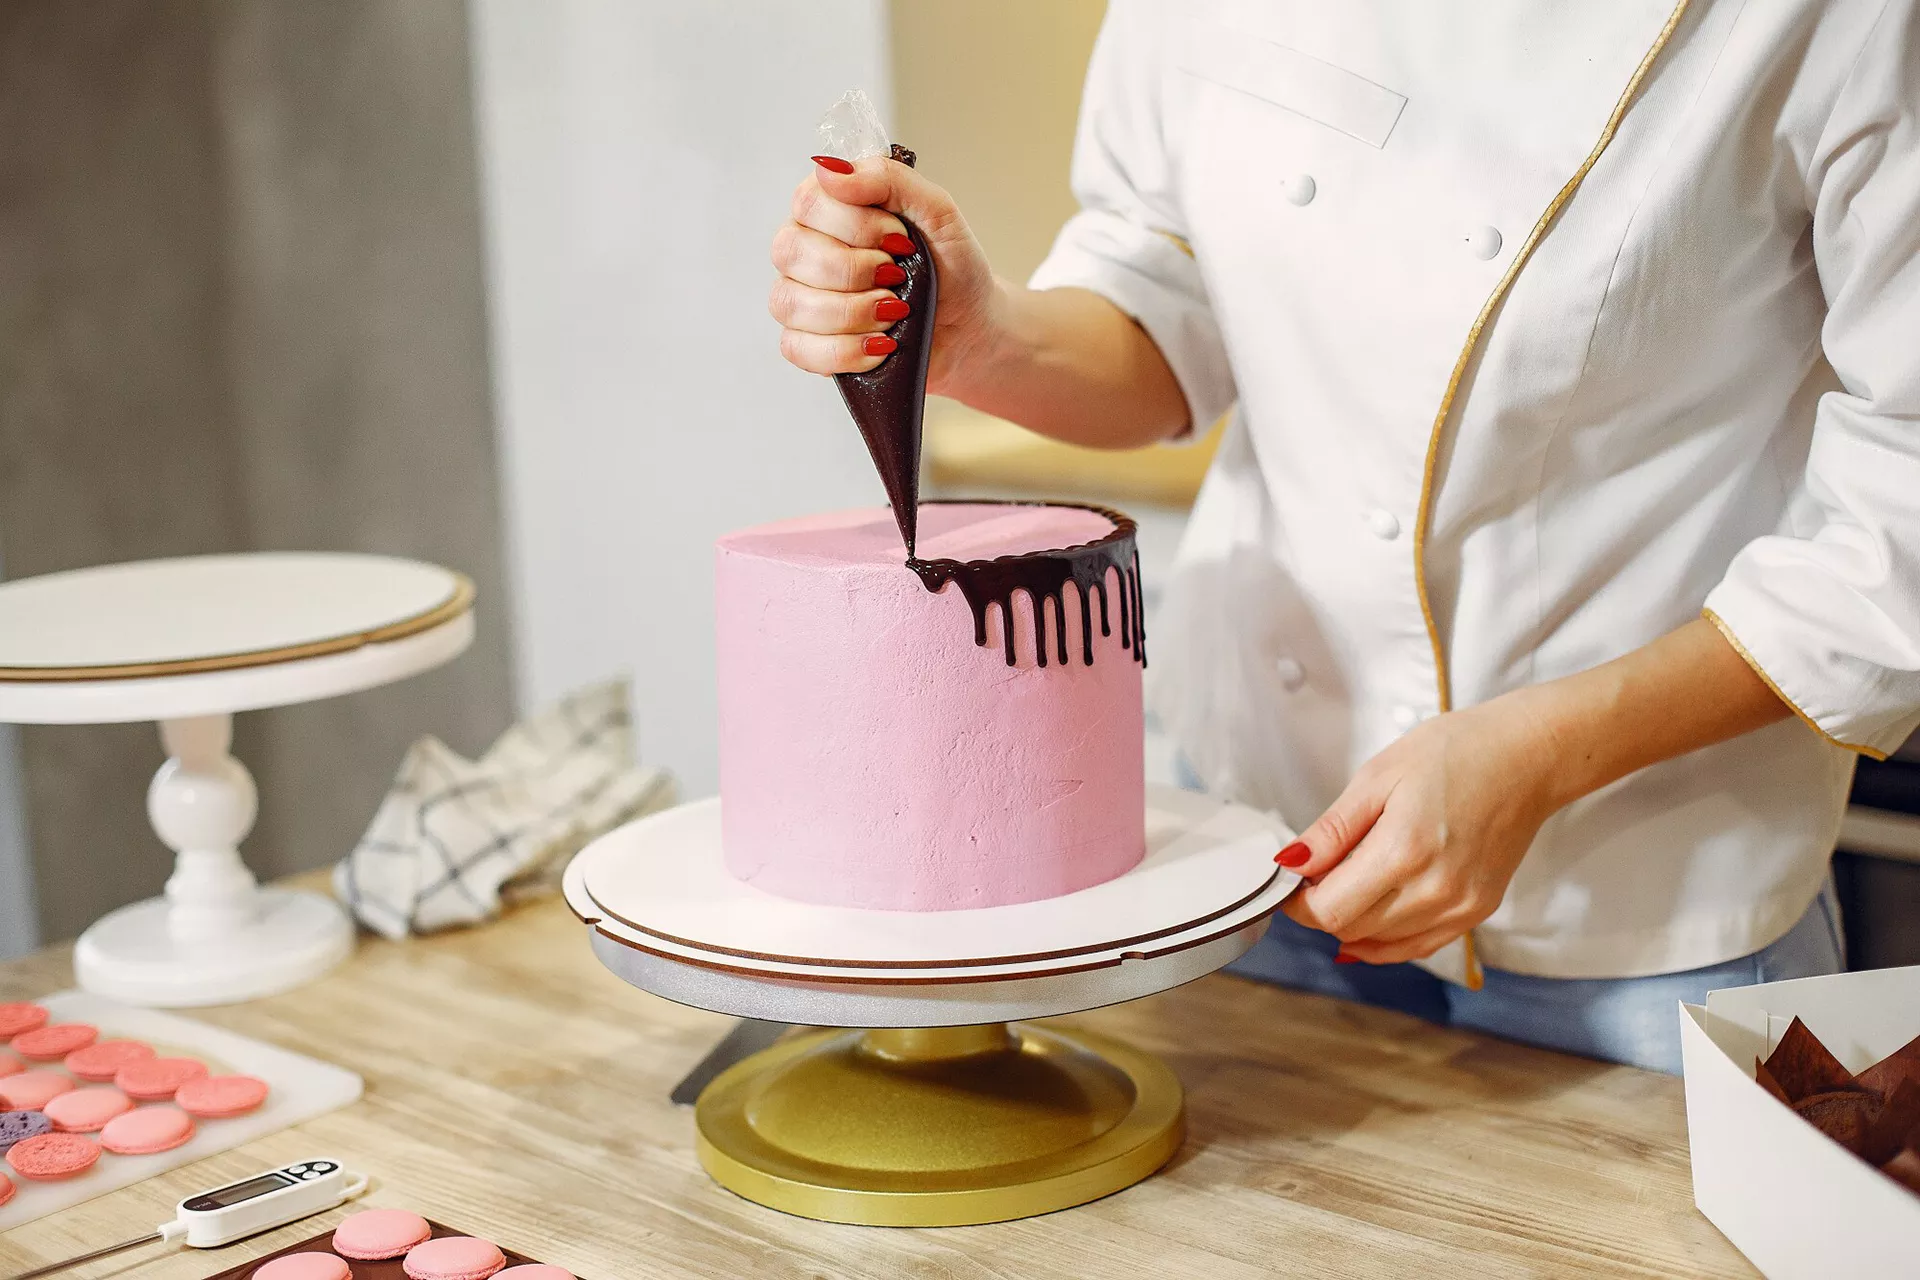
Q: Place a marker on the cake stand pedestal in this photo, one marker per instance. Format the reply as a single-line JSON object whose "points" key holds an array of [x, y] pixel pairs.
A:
{"points": [[187, 643], [933, 1105]]}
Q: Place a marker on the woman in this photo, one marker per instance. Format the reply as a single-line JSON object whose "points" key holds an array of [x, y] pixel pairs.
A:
{"points": [[1561, 550]]}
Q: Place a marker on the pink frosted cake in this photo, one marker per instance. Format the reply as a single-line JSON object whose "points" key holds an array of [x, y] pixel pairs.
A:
{"points": [[887, 745]]}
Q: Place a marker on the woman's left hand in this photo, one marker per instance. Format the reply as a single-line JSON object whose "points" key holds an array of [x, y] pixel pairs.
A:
{"points": [[1420, 846]]}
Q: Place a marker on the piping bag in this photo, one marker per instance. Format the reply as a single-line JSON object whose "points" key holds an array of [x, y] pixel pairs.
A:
{"points": [[888, 403]]}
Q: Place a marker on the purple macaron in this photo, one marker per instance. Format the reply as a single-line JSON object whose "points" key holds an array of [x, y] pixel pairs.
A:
{"points": [[17, 1126]]}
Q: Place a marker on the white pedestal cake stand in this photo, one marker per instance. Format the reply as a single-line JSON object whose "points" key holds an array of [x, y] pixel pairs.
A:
{"points": [[187, 643], [940, 1114]]}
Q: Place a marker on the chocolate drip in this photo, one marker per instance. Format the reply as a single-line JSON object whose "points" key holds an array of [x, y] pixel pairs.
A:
{"points": [[889, 400], [1044, 575]]}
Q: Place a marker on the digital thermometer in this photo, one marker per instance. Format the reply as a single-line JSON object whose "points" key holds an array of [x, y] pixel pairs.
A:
{"points": [[262, 1202], [223, 1215]]}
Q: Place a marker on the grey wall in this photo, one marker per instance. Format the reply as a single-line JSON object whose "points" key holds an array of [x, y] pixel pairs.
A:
{"points": [[638, 158], [241, 306]]}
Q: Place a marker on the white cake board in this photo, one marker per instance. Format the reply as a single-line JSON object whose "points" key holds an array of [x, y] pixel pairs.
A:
{"points": [[188, 643], [1203, 858], [302, 1088], [1029, 968]]}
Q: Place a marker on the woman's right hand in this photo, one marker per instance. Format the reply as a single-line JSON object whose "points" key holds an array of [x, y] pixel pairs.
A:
{"points": [[833, 298]]}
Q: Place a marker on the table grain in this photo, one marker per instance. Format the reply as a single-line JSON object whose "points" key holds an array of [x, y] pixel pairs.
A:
{"points": [[517, 1090]]}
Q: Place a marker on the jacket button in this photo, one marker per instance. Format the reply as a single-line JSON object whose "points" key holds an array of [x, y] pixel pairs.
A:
{"points": [[1300, 189], [1385, 525], [1405, 717], [1292, 674], [1484, 243]]}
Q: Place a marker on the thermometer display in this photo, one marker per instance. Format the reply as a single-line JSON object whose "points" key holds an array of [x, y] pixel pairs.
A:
{"points": [[228, 1196]]}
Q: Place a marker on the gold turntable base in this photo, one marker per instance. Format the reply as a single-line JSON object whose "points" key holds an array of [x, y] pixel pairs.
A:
{"points": [[938, 1127]]}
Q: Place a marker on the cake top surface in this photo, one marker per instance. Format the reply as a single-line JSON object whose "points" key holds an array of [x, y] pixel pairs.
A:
{"points": [[948, 531]]}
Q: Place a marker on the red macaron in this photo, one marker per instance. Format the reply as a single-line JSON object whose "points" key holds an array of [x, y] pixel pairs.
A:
{"points": [[217, 1097], [20, 1016], [52, 1043], [53, 1156], [157, 1079], [98, 1063]]}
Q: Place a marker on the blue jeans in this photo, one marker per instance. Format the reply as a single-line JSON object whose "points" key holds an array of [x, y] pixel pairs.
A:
{"points": [[1630, 1020]]}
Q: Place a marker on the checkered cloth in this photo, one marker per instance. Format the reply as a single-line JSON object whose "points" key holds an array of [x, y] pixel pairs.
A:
{"points": [[457, 839]]}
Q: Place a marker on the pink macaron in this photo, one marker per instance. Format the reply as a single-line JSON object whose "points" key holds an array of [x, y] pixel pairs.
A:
{"points": [[6, 1188], [217, 1097], [52, 1043], [99, 1063], [157, 1079], [87, 1110], [145, 1130], [19, 1017], [53, 1156], [10, 1065], [305, 1266], [453, 1258], [535, 1271], [32, 1090], [374, 1235]]}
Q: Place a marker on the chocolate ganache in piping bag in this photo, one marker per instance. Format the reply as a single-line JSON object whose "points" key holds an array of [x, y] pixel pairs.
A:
{"points": [[888, 403]]}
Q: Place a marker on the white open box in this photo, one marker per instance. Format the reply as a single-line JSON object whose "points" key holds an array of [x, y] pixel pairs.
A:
{"points": [[1794, 1201]]}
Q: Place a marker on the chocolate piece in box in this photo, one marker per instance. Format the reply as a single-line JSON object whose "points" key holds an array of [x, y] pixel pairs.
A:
{"points": [[1875, 1115], [1765, 1079], [1803, 1066], [1845, 1115], [1905, 1169], [1902, 1064], [1895, 1123]]}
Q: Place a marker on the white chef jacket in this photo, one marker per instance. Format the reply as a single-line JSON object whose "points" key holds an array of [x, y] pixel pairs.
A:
{"points": [[1549, 323]]}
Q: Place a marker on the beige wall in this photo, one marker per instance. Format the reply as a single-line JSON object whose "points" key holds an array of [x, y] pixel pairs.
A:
{"points": [[240, 306], [987, 92]]}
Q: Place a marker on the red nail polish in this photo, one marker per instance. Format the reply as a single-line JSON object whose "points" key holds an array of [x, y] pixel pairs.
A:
{"points": [[890, 309], [1294, 855], [833, 164], [878, 344], [1341, 957], [889, 274], [896, 244]]}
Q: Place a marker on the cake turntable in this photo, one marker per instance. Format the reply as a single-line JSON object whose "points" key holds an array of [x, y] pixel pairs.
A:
{"points": [[928, 1102]]}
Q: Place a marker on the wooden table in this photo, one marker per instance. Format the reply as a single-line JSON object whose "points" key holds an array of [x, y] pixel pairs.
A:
{"points": [[517, 1090]]}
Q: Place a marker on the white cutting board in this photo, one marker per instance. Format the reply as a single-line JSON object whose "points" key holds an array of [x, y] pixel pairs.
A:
{"points": [[300, 1089]]}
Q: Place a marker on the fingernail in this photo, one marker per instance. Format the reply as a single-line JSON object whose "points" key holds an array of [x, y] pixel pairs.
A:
{"points": [[878, 344], [889, 274], [1341, 957], [1294, 855], [895, 243], [833, 164], [890, 309]]}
